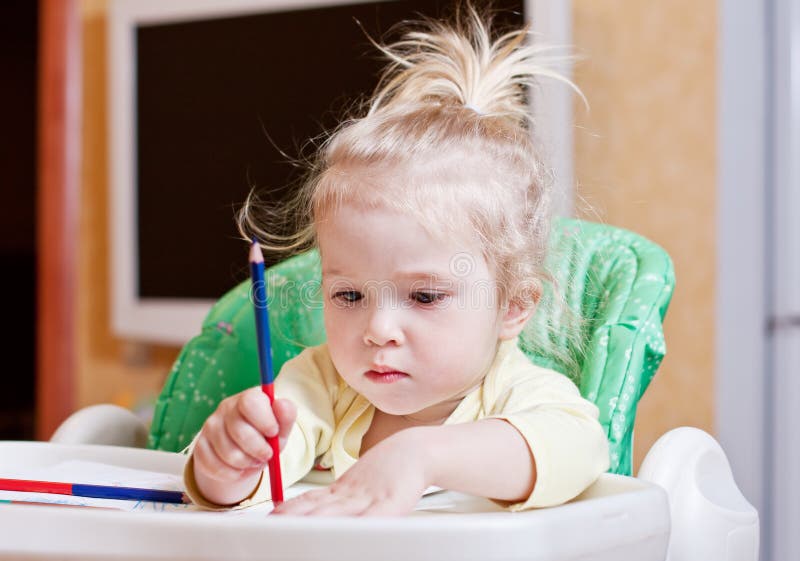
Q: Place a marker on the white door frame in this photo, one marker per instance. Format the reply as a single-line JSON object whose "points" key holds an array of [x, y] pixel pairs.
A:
{"points": [[551, 23], [758, 272], [784, 304]]}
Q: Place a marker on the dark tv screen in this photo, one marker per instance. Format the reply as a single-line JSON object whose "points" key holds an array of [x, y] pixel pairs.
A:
{"points": [[217, 100]]}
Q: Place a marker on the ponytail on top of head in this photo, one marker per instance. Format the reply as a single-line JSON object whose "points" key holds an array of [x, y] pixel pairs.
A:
{"points": [[450, 106], [461, 65]]}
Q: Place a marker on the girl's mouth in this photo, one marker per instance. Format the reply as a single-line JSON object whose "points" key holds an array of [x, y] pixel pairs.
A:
{"points": [[385, 377]]}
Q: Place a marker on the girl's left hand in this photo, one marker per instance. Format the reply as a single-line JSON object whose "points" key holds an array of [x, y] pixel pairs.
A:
{"points": [[388, 480]]}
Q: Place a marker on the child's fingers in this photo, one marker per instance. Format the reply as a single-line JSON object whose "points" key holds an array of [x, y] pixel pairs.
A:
{"points": [[247, 438], [351, 505], [208, 462], [326, 502], [286, 414], [226, 449], [305, 503], [253, 405]]}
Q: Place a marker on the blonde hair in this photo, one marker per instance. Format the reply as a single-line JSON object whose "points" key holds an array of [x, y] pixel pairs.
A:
{"points": [[448, 127]]}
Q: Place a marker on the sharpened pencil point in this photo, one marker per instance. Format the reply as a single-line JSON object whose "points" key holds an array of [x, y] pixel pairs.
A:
{"points": [[255, 252]]}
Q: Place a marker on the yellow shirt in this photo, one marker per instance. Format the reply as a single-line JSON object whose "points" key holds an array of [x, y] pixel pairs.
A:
{"points": [[561, 428]]}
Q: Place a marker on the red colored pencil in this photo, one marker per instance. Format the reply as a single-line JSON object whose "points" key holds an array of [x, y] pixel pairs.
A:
{"points": [[259, 295]]}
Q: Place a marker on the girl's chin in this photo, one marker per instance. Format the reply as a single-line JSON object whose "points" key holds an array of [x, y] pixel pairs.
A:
{"points": [[393, 408], [410, 411]]}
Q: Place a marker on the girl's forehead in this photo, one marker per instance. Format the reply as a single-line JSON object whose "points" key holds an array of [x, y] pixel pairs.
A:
{"points": [[369, 219], [355, 239]]}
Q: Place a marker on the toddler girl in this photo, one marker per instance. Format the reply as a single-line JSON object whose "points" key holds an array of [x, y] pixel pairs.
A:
{"points": [[431, 218]]}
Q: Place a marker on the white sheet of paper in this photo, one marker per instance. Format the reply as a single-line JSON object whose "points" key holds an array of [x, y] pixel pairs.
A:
{"points": [[95, 473]]}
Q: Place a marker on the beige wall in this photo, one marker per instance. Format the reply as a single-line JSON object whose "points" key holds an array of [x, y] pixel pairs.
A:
{"points": [[645, 160], [109, 370]]}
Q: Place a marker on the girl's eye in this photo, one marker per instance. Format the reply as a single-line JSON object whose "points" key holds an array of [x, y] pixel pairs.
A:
{"points": [[427, 297], [348, 296]]}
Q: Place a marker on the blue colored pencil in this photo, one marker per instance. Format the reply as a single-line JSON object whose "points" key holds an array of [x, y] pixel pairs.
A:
{"points": [[259, 295], [94, 491]]}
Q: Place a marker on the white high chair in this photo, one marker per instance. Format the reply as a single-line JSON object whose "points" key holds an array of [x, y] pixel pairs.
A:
{"points": [[684, 506]]}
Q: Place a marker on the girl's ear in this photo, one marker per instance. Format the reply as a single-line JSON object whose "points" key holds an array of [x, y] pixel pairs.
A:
{"points": [[514, 319]]}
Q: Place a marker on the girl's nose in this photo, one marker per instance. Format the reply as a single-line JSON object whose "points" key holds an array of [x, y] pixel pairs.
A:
{"points": [[383, 327]]}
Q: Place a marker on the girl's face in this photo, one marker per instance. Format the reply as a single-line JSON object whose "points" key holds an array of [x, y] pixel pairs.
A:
{"points": [[413, 322]]}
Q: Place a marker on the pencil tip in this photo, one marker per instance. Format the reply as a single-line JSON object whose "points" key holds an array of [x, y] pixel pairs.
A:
{"points": [[255, 252]]}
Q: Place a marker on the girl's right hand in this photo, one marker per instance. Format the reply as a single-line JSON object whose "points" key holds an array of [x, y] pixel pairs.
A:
{"points": [[232, 448]]}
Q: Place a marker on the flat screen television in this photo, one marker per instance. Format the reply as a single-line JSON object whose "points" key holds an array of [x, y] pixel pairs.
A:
{"points": [[203, 97]]}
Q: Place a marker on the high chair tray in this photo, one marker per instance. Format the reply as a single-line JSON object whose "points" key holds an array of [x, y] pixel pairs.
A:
{"points": [[618, 518]]}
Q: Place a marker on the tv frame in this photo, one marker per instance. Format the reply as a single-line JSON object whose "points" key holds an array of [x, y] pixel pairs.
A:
{"points": [[175, 321]]}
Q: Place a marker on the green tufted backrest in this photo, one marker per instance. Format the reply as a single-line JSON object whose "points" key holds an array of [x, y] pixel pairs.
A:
{"points": [[617, 281]]}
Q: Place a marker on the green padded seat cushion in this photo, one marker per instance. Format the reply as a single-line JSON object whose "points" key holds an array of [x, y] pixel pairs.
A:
{"points": [[617, 281], [223, 359], [620, 284]]}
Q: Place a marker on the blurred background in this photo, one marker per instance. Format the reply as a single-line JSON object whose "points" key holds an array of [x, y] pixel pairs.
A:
{"points": [[690, 140]]}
